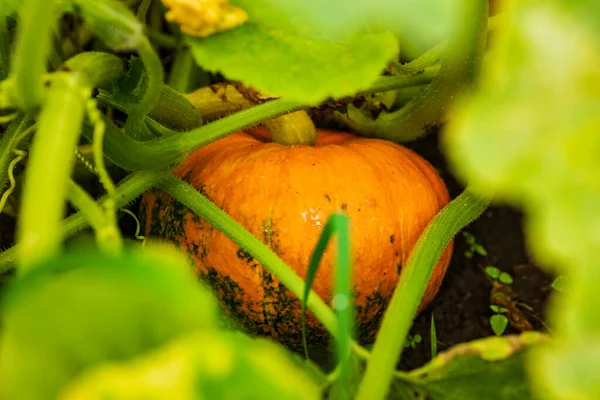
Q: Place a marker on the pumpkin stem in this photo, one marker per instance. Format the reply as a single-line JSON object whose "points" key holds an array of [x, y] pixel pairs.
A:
{"points": [[296, 128], [222, 99]]}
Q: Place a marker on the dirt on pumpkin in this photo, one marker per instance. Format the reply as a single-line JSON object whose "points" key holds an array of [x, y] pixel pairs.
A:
{"points": [[462, 307]]}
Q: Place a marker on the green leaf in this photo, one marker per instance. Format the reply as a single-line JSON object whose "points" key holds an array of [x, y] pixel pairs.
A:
{"points": [[490, 369], [505, 278], [83, 308], [492, 272], [529, 135], [494, 308], [209, 365], [479, 249], [307, 50], [498, 323], [301, 68]]}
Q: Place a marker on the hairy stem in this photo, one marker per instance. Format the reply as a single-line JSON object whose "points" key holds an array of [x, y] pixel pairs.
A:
{"points": [[48, 170]]}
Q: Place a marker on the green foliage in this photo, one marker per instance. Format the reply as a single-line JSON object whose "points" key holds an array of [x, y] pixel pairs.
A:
{"points": [[498, 321], [92, 325], [73, 312], [308, 69], [318, 49], [497, 275], [202, 366], [491, 369], [474, 246], [529, 136], [412, 341]]}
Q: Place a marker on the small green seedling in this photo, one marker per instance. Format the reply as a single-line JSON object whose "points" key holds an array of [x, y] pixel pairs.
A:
{"points": [[412, 341], [474, 247], [433, 337], [497, 275], [498, 321]]}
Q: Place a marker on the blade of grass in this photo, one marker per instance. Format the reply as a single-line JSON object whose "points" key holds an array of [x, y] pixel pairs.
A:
{"points": [[342, 301], [433, 337]]}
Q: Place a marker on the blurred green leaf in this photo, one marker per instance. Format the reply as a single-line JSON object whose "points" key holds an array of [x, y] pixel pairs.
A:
{"points": [[210, 365], [84, 308], [529, 135], [493, 272], [560, 284], [490, 369], [505, 278], [498, 323], [309, 50]]}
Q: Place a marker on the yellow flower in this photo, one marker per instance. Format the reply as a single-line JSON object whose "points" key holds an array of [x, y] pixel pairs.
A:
{"points": [[204, 17]]}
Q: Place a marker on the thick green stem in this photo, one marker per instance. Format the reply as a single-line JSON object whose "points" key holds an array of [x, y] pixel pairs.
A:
{"points": [[261, 252], [49, 168], [161, 152], [411, 287], [33, 44], [130, 188], [460, 67], [182, 72], [98, 69]]}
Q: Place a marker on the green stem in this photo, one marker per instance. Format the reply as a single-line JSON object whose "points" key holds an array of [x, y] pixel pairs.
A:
{"points": [[143, 10], [130, 188], [411, 286], [18, 125], [163, 151], [425, 60], [97, 69], [182, 72], [261, 252], [49, 168], [107, 234], [460, 67], [33, 44]]}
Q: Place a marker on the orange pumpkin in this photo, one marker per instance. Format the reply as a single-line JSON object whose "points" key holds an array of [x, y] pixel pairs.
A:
{"points": [[284, 195]]}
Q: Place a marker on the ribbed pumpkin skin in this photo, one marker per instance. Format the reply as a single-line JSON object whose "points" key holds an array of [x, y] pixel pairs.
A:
{"points": [[283, 195]]}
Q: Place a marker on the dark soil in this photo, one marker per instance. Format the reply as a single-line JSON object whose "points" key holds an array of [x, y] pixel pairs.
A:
{"points": [[462, 307]]}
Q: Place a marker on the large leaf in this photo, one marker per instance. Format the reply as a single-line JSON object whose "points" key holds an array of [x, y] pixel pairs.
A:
{"points": [[210, 365], [530, 136], [492, 369], [85, 308], [310, 49]]}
